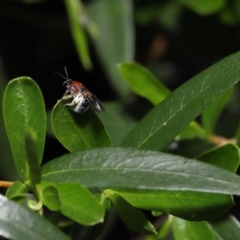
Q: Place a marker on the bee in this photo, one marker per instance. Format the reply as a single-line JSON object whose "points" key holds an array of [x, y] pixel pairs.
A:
{"points": [[82, 97]]}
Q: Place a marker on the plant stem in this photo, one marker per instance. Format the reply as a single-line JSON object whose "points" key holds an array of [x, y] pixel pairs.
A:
{"points": [[5, 184], [219, 141]]}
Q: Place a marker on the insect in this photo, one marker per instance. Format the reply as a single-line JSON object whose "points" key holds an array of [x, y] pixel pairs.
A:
{"points": [[82, 97]]}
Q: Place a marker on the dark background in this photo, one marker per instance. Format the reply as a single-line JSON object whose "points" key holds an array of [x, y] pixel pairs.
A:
{"points": [[36, 41]]}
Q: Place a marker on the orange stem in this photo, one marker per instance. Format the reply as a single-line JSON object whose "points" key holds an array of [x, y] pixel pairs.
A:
{"points": [[219, 141], [5, 184]]}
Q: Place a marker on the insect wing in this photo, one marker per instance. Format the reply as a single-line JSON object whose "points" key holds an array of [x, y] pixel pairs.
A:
{"points": [[91, 98], [95, 103]]}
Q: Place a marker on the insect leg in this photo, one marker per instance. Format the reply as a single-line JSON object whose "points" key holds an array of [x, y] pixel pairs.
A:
{"points": [[70, 104], [73, 103], [67, 96]]}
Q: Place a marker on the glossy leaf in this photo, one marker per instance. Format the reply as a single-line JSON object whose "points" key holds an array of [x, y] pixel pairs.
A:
{"points": [[78, 131], [77, 17], [73, 201], [191, 230], [226, 157], [115, 41], [18, 222], [204, 7], [143, 82], [131, 216], [226, 228], [8, 171], [79, 204], [192, 206], [211, 114], [162, 124], [49, 196], [105, 168], [23, 109], [116, 121], [16, 189]]}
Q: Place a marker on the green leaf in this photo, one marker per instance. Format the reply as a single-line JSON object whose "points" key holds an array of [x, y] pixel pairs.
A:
{"points": [[105, 203], [226, 228], [16, 189], [143, 82], [132, 217], [79, 204], [78, 131], [105, 168], [31, 149], [74, 201], [193, 130], [191, 230], [211, 114], [49, 196], [192, 206], [7, 171], [159, 127], [23, 109], [226, 157], [115, 42], [77, 17], [16, 222], [204, 7], [116, 121]]}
